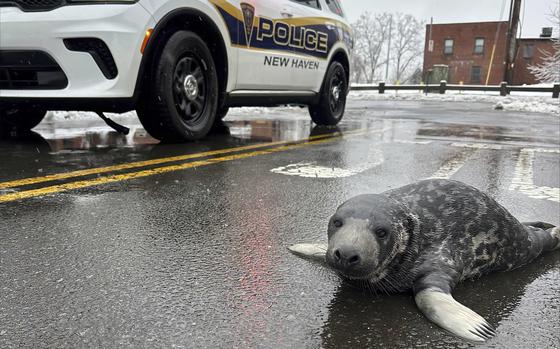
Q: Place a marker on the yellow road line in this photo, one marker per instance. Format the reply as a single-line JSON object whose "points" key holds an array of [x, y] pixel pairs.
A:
{"points": [[132, 165], [160, 170]]}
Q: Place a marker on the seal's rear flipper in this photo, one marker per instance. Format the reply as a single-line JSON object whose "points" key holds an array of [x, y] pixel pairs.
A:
{"points": [[555, 233], [541, 225], [443, 310], [313, 252]]}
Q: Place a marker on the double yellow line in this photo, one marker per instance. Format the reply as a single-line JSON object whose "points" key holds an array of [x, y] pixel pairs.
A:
{"points": [[241, 153]]}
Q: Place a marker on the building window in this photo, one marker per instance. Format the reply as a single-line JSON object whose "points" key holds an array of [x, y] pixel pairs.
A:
{"points": [[448, 47], [479, 45], [476, 73], [528, 51]]}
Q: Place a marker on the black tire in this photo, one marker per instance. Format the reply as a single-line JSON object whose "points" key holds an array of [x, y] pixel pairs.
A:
{"points": [[332, 98], [222, 113], [182, 102], [20, 119]]}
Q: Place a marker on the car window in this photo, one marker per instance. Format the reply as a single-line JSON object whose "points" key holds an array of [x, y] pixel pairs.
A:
{"points": [[335, 7], [310, 3]]}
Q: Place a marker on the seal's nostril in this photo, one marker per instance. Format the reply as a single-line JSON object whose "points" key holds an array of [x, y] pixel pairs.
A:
{"points": [[354, 260], [337, 255]]}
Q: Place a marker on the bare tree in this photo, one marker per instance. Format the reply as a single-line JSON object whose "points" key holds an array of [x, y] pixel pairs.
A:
{"points": [[416, 76], [370, 35], [358, 68], [549, 69], [407, 47]]}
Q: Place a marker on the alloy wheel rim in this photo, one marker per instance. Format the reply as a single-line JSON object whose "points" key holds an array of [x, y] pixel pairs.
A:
{"points": [[336, 97], [189, 89]]}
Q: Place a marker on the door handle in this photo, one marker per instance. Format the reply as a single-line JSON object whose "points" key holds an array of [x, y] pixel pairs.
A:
{"points": [[287, 15]]}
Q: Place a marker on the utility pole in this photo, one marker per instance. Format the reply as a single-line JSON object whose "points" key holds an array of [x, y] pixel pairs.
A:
{"points": [[389, 49], [511, 43], [427, 74]]}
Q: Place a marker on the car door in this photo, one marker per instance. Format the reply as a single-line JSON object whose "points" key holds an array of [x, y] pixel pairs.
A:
{"points": [[309, 63], [264, 56]]}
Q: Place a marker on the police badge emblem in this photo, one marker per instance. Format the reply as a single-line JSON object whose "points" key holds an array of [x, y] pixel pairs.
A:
{"points": [[248, 18]]}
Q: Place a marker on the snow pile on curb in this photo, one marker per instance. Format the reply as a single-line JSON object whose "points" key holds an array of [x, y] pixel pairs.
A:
{"points": [[234, 112], [274, 113], [521, 102], [82, 115]]}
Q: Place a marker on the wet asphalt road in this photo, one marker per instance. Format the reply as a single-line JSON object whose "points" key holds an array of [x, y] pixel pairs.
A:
{"points": [[195, 255]]}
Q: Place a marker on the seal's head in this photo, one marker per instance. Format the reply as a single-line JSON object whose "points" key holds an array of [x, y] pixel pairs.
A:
{"points": [[366, 234]]}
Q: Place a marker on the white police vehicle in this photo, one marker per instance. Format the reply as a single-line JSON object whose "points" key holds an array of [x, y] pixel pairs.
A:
{"points": [[180, 63]]}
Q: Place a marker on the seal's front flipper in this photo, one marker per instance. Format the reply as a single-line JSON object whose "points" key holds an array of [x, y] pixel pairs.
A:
{"points": [[440, 308], [432, 293], [313, 252]]}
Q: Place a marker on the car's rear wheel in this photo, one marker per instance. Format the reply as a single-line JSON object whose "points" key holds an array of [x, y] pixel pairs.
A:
{"points": [[182, 103], [332, 98], [20, 119]]}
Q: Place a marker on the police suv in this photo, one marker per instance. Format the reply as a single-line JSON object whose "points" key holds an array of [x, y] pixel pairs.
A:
{"points": [[180, 63]]}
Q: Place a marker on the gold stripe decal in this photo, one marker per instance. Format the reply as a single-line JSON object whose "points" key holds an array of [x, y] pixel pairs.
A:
{"points": [[314, 36], [229, 8]]}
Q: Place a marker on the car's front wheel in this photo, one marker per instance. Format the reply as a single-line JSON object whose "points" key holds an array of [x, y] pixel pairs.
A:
{"points": [[332, 99], [20, 119], [183, 101]]}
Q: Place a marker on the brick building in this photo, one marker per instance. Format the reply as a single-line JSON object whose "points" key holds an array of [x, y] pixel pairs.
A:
{"points": [[529, 52], [475, 54]]}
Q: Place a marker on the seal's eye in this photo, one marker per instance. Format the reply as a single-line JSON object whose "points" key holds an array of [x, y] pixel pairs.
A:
{"points": [[381, 232], [337, 223]]}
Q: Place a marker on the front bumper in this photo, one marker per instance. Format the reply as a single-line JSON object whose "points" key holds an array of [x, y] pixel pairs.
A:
{"points": [[120, 27]]}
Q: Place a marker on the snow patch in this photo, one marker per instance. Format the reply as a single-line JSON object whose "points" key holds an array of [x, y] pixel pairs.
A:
{"points": [[239, 112], [527, 102], [57, 115]]}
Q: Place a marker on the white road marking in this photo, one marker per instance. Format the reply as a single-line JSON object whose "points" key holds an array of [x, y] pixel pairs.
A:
{"points": [[312, 170], [478, 146], [402, 141], [543, 150], [453, 165], [523, 180]]}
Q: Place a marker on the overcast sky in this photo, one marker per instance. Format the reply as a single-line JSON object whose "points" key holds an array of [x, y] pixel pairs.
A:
{"points": [[449, 11]]}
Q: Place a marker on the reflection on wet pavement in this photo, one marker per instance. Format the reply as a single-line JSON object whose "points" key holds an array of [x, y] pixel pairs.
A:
{"points": [[504, 298]]}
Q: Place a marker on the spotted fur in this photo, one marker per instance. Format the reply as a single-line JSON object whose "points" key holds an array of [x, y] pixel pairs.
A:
{"points": [[442, 232]]}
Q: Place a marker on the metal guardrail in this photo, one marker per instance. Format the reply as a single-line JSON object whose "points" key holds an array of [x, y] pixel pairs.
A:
{"points": [[503, 88]]}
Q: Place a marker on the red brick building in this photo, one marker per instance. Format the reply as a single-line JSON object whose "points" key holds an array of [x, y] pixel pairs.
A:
{"points": [[529, 52], [475, 54]]}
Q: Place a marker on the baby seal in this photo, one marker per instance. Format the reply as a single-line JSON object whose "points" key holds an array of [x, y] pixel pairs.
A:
{"points": [[427, 237]]}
